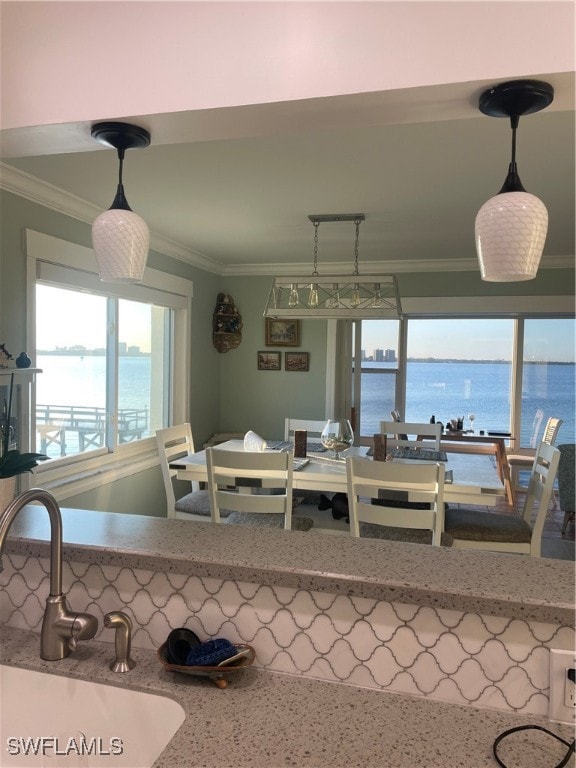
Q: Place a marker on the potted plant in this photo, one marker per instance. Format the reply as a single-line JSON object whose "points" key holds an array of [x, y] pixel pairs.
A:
{"points": [[12, 461]]}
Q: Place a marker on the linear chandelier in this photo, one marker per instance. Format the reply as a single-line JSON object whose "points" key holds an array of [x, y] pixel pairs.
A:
{"points": [[334, 296], [511, 227], [120, 238]]}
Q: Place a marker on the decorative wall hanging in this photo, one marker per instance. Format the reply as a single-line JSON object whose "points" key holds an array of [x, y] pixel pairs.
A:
{"points": [[282, 333], [269, 361], [296, 361], [226, 324]]}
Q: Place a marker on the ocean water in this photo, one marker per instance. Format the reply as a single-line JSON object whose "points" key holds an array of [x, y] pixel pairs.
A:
{"points": [[448, 390], [444, 389], [81, 381]]}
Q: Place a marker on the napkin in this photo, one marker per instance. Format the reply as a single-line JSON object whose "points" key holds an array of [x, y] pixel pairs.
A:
{"points": [[253, 442]]}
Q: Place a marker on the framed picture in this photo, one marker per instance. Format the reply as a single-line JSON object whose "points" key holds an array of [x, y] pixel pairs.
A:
{"points": [[296, 361], [282, 333], [269, 361]]}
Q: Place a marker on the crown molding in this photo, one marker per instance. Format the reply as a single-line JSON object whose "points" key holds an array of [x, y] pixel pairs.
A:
{"points": [[41, 192], [45, 194], [377, 267]]}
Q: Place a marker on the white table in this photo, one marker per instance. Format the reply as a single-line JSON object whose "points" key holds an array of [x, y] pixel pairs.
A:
{"points": [[475, 479]]}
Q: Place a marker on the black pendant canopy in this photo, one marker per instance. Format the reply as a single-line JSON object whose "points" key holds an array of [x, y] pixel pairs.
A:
{"points": [[120, 135], [516, 98]]}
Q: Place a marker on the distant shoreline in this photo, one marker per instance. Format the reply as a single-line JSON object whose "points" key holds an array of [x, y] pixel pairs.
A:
{"points": [[86, 353], [467, 361]]}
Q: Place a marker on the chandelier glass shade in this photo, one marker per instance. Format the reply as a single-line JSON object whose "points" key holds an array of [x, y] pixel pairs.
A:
{"points": [[511, 227], [510, 235], [334, 296], [120, 238]]}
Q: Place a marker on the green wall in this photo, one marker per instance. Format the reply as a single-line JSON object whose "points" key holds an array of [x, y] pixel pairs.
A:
{"points": [[260, 400]]}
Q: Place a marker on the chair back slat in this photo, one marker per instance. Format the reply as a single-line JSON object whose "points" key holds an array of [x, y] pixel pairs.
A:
{"points": [[405, 484], [233, 475], [173, 443], [412, 434], [551, 430], [540, 489], [314, 427]]}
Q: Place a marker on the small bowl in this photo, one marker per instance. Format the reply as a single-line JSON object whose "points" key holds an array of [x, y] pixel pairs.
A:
{"points": [[244, 658]]}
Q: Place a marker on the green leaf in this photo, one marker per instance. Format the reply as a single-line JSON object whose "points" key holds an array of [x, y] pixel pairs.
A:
{"points": [[15, 463]]}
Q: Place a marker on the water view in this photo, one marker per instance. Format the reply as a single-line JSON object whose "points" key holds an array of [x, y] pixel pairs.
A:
{"points": [[451, 389], [445, 389]]}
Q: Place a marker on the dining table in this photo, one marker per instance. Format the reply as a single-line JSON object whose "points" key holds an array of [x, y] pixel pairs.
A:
{"points": [[497, 440], [471, 478]]}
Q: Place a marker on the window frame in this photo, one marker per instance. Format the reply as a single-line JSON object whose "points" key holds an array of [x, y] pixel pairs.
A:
{"points": [[65, 264], [353, 327]]}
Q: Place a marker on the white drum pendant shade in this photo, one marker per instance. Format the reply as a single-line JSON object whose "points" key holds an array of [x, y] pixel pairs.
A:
{"points": [[120, 240], [510, 233]]}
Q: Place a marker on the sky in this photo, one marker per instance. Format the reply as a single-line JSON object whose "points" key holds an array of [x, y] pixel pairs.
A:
{"points": [[70, 318], [547, 340]]}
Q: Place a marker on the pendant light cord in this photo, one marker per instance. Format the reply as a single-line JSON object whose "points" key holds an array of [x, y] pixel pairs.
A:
{"points": [[120, 202], [514, 120], [121, 151], [315, 270], [512, 182], [356, 242]]}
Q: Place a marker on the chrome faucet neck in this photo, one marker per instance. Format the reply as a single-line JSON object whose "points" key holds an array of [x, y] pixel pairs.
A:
{"points": [[51, 506], [61, 627]]}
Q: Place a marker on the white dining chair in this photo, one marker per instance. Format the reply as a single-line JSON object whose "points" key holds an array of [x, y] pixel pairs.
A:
{"points": [[476, 529], [255, 487], [391, 500], [520, 461], [405, 434], [314, 428], [190, 503]]}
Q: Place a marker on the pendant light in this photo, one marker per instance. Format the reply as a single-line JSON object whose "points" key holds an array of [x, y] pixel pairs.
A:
{"points": [[120, 237], [511, 227], [334, 296]]}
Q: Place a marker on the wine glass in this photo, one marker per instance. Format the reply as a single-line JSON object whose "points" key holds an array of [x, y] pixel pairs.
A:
{"points": [[337, 435], [471, 416]]}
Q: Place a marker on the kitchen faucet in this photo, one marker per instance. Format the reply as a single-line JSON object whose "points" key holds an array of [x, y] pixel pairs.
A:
{"points": [[61, 627]]}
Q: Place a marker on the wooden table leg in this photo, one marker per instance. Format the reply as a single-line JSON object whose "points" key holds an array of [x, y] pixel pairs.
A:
{"points": [[504, 470]]}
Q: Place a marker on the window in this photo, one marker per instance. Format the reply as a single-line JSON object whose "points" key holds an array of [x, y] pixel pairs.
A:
{"points": [[114, 359], [79, 407], [509, 374], [548, 379], [376, 362], [460, 367]]}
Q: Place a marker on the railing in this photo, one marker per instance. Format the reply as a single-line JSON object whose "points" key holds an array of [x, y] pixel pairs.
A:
{"points": [[87, 426]]}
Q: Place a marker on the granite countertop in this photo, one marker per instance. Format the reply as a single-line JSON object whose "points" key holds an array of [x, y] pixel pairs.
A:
{"points": [[267, 720], [515, 586]]}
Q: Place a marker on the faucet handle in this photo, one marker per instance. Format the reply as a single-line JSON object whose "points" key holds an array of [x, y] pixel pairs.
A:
{"points": [[84, 627]]}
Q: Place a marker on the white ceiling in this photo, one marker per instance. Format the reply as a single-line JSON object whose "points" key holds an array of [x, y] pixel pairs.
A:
{"points": [[231, 189]]}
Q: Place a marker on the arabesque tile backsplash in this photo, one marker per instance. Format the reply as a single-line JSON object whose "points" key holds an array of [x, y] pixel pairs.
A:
{"points": [[464, 658]]}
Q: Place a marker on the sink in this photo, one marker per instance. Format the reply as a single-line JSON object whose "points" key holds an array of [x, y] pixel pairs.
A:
{"points": [[49, 720]]}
